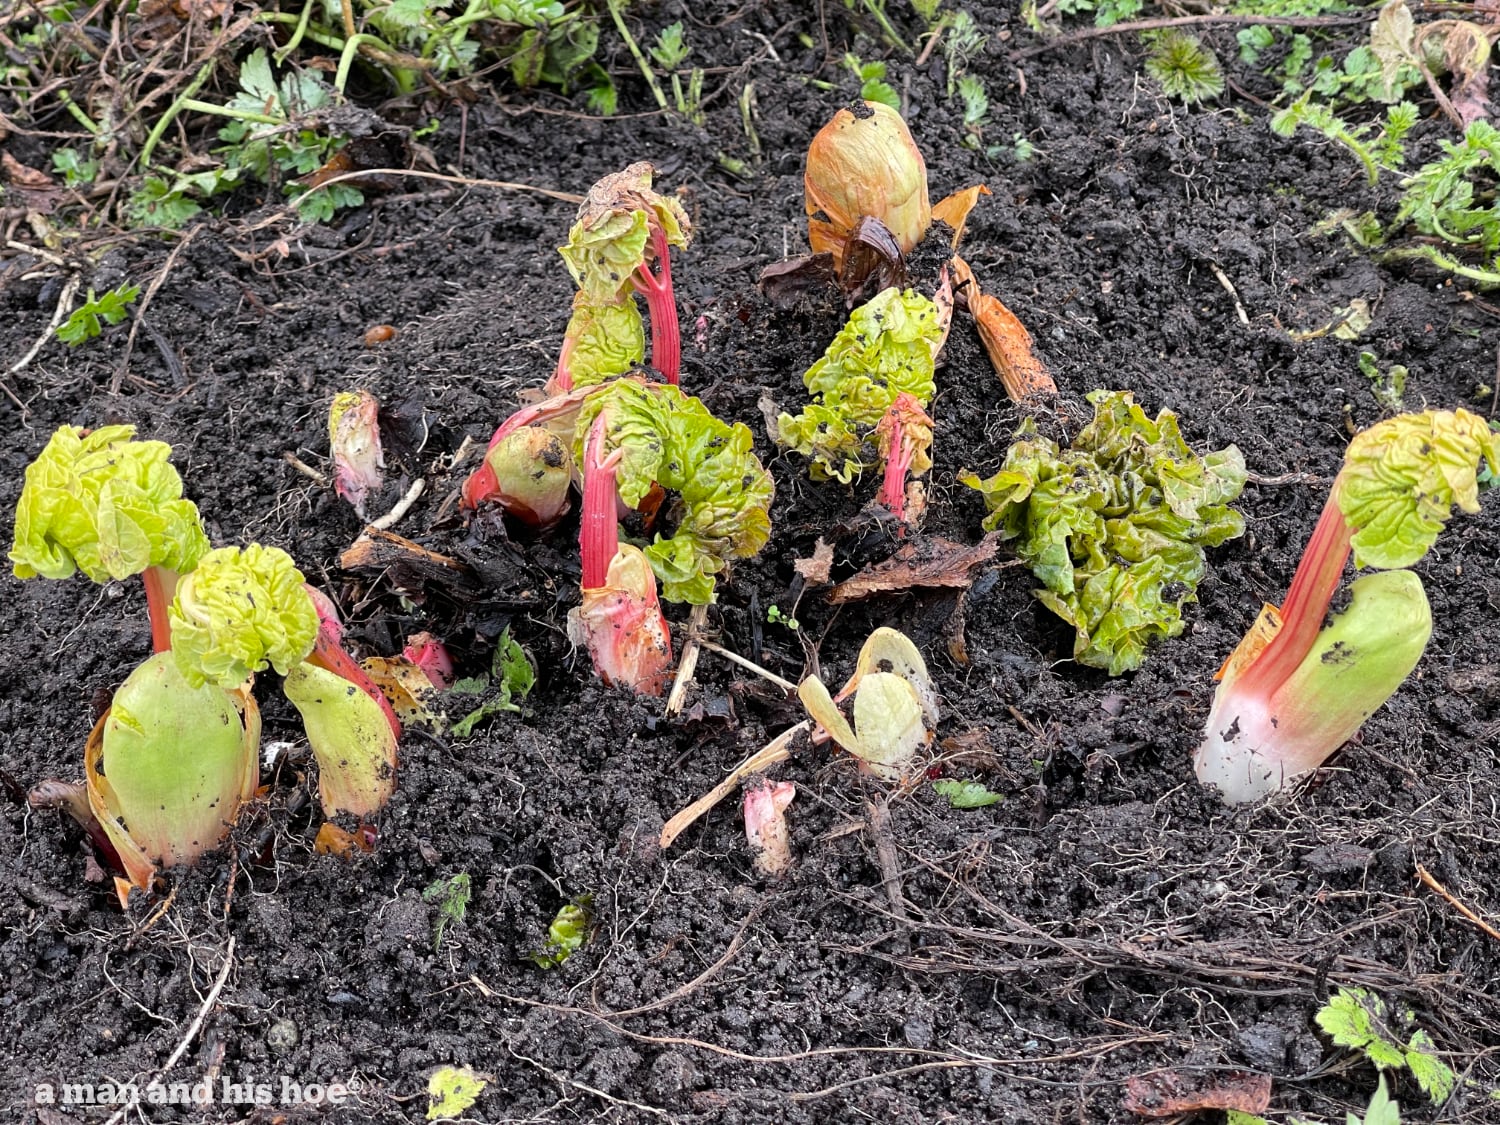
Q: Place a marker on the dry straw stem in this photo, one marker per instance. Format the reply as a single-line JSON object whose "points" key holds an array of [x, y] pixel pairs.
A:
{"points": [[1444, 893], [779, 749]]}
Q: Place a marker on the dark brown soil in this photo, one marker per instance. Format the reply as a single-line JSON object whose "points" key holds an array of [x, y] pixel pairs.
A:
{"points": [[1107, 918]]}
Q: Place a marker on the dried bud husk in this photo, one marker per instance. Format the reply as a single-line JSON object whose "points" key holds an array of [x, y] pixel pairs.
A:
{"points": [[765, 826], [533, 473], [865, 163], [621, 625], [354, 439]]}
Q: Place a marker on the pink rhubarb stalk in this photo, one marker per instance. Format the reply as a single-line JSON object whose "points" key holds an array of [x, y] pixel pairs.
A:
{"points": [[160, 584], [1307, 600], [328, 653], [893, 485], [666, 341], [619, 619]]}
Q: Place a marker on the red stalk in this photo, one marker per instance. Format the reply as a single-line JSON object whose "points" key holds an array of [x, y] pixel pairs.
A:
{"points": [[897, 465], [562, 379], [1313, 586], [160, 585], [328, 653], [666, 343], [599, 533]]}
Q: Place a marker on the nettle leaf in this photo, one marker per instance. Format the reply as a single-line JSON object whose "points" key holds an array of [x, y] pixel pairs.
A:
{"points": [[1116, 526], [1432, 1074]]}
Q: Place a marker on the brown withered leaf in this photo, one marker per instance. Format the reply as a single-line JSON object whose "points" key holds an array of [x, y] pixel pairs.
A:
{"points": [[873, 262], [1005, 339], [815, 570], [1166, 1093], [410, 567], [786, 283], [333, 840], [954, 209], [919, 563], [39, 192]]}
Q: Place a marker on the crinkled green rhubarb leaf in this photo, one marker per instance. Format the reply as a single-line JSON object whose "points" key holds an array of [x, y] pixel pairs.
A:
{"points": [[604, 339], [171, 768], [566, 935], [104, 504], [1115, 527], [885, 349], [1402, 478], [608, 243], [671, 439], [351, 738], [237, 612]]}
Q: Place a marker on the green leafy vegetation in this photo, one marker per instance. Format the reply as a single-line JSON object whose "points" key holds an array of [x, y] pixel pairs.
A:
{"points": [[565, 935], [451, 1091], [1358, 1019], [512, 676], [89, 319], [1185, 68], [1388, 386], [872, 84], [1115, 526], [966, 794], [452, 898]]}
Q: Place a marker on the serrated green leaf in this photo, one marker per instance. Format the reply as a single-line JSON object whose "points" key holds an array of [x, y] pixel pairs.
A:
{"points": [[513, 677], [1382, 1109], [1434, 1077], [966, 794]]}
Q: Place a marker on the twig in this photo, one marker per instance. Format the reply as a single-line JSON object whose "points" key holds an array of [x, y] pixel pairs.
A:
{"points": [[304, 468], [678, 993], [569, 1083], [932, 41], [394, 516], [1229, 288], [1447, 896], [1286, 478], [64, 305], [140, 312], [1188, 21], [688, 665], [878, 816], [635, 50], [736, 658], [192, 1033], [779, 749]]}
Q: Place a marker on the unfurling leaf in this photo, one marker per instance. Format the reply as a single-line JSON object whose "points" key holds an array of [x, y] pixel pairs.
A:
{"points": [[354, 441], [1115, 526], [765, 826], [966, 794], [565, 936], [351, 737]]}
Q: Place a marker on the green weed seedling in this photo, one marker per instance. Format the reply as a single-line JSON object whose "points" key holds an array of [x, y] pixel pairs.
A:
{"points": [[1184, 67], [452, 897], [875, 9], [1388, 386], [774, 616], [1381, 1111], [513, 676], [976, 109], [1357, 1019], [89, 320], [76, 170], [872, 84]]}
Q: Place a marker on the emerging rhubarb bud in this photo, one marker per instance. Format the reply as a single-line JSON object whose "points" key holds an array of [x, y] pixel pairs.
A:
{"points": [[865, 163], [432, 656], [558, 414], [894, 711], [533, 474], [168, 767], [354, 440], [619, 620], [1295, 691], [239, 611], [904, 438], [765, 826], [623, 228]]}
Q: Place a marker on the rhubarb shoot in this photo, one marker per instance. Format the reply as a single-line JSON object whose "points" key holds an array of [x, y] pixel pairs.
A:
{"points": [[239, 611], [352, 736], [559, 414], [623, 229], [904, 438], [619, 620], [100, 502], [885, 350], [169, 766], [354, 442], [328, 653], [1294, 692], [894, 711], [865, 163], [765, 826], [605, 339], [663, 438], [533, 476], [1115, 526]]}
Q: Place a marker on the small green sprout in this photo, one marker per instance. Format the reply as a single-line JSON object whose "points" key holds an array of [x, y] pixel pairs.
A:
{"points": [[85, 324], [511, 672], [872, 84], [966, 794], [670, 48], [1185, 68], [774, 616], [566, 935], [976, 109], [1389, 386], [452, 896], [76, 170], [1357, 1018], [962, 45]]}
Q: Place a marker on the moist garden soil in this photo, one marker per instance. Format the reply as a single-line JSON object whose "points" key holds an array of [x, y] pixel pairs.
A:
{"points": [[921, 963]]}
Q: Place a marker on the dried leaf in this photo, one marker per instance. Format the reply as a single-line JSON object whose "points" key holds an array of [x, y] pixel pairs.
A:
{"points": [[333, 840], [922, 563], [954, 209], [815, 570], [39, 192], [1166, 1093], [786, 283], [1267, 624], [873, 262]]}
